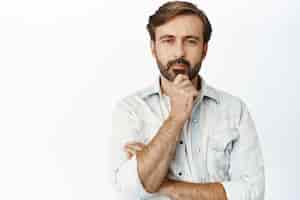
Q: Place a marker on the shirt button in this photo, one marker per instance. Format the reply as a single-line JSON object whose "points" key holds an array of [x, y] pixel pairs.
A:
{"points": [[180, 173], [195, 121], [181, 142]]}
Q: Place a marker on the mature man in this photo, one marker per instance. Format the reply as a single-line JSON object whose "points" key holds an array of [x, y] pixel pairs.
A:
{"points": [[181, 138]]}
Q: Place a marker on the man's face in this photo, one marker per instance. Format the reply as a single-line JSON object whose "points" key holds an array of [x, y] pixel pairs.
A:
{"points": [[179, 47]]}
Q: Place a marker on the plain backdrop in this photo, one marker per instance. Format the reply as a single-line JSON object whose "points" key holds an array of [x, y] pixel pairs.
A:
{"points": [[64, 64]]}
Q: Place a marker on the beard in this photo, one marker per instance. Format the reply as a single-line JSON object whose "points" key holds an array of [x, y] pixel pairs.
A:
{"points": [[168, 72]]}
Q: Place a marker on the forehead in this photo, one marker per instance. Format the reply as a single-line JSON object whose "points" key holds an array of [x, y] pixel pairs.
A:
{"points": [[181, 26]]}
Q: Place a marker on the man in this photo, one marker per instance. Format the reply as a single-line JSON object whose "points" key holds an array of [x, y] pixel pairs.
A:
{"points": [[181, 138]]}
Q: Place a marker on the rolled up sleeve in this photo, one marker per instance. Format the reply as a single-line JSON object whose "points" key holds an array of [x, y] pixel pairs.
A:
{"points": [[247, 180], [126, 127]]}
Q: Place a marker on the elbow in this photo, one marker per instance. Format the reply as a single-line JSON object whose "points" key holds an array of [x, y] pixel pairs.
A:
{"points": [[151, 188], [150, 183]]}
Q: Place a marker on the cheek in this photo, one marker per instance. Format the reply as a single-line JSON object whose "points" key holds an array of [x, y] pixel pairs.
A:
{"points": [[195, 56], [162, 55]]}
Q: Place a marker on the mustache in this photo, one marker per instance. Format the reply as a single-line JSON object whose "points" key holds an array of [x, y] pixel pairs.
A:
{"points": [[178, 61]]}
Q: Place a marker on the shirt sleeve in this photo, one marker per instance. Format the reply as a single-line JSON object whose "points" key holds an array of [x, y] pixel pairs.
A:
{"points": [[247, 180], [126, 127]]}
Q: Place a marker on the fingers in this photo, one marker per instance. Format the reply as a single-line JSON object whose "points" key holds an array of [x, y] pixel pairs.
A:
{"points": [[182, 93], [179, 78], [182, 81], [185, 84], [138, 146], [130, 152], [131, 148], [192, 91]]}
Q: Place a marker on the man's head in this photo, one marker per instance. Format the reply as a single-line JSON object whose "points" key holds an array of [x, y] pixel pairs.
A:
{"points": [[179, 34]]}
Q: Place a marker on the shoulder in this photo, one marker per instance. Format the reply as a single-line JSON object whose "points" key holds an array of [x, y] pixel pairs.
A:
{"points": [[134, 101], [227, 102]]}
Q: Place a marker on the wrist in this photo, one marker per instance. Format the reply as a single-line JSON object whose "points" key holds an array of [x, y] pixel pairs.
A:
{"points": [[177, 120]]}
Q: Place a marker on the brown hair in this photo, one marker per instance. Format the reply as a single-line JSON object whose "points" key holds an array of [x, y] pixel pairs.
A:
{"points": [[172, 9]]}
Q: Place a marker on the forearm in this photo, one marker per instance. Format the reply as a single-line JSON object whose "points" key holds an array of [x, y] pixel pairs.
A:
{"points": [[193, 191], [154, 159]]}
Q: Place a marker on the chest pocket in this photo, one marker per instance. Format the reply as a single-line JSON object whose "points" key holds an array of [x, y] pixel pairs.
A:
{"points": [[220, 146]]}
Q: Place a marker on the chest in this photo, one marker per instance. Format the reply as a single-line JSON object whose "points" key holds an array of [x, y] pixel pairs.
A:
{"points": [[204, 149]]}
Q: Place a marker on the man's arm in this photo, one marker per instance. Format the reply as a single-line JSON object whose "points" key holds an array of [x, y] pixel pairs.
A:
{"points": [[154, 160], [135, 176], [178, 190], [247, 180]]}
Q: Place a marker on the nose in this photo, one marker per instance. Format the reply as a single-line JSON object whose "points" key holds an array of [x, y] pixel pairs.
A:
{"points": [[179, 50]]}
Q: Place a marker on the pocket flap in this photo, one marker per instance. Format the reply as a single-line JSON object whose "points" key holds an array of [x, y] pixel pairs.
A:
{"points": [[221, 138]]}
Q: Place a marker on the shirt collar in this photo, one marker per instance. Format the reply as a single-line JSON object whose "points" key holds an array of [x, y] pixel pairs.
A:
{"points": [[206, 90]]}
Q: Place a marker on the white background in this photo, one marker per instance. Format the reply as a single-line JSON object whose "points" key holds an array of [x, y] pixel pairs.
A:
{"points": [[64, 64]]}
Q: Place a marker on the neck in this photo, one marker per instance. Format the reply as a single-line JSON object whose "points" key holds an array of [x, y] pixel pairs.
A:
{"points": [[165, 84]]}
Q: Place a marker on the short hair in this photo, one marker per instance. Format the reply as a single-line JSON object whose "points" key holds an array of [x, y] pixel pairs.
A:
{"points": [[172, 9]]}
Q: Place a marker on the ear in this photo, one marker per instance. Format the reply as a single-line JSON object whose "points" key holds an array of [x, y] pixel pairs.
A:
{"points": [[204, 52], [152, 45]]}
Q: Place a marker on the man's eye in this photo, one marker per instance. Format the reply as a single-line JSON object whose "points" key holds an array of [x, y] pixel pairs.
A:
{"points": [[192, 41], [167, 41]]}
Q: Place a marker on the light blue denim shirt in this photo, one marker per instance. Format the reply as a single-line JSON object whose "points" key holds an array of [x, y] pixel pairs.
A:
{"points": [[218, 144]]}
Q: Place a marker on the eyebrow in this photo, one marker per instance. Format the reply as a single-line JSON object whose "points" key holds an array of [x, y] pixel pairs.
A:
{"points": [[185, 37], [165, 36], [192, 37]]}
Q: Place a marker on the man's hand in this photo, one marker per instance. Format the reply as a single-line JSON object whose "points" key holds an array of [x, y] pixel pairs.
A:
{"points": [[182, 94], [131, 148]]}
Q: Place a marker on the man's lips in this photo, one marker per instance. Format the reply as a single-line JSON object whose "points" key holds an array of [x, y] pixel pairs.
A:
{"points": [[179, 66], [179, 69]]}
